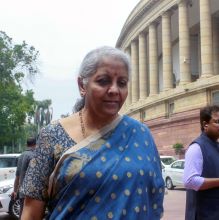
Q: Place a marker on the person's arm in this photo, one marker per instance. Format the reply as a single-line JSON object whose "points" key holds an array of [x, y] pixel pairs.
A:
{"points": [[193, 168], [33, 209], [16, 187], [17, 179], [209, 183]]}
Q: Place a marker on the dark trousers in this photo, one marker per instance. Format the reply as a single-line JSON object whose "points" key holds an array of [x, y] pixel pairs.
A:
{"points": [[190, 205]]}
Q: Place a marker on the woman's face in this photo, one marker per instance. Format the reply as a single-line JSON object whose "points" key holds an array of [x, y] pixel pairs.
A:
{"points": [[107, 89]]}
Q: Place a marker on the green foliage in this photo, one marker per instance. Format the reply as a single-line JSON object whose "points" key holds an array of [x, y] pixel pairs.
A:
{"points": [[17, 63], [178, 147], [44, 103]]}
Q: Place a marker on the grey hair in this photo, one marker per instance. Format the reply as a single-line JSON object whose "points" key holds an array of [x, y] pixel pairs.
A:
{"points": [[92, 62]]}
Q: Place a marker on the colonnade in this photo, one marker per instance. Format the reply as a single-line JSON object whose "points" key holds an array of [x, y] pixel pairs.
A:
{"points": [[145, 66]]}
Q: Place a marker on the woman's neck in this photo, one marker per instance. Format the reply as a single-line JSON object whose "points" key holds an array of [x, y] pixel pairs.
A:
{"points": [[95, 121]]}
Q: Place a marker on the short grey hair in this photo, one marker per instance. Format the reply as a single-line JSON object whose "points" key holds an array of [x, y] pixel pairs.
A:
{"points": [[92, 62]]}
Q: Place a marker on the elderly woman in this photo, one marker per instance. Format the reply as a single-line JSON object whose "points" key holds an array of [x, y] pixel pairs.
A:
{"points": [[96, 164]]}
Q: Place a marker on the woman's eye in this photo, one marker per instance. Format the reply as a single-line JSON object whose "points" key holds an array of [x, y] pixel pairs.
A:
{"points": [[122, 83], [103, 82]]}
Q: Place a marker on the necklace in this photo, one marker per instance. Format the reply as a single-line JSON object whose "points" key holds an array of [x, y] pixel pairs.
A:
{"points": [[82, 124]]}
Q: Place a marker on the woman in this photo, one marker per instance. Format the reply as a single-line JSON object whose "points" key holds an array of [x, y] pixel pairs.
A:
{"points": [[101, 165]]}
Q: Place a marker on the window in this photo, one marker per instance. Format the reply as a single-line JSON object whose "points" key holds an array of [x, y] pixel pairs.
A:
{"points": [[183, 163], [167, 161], [177, 165], [8, 162], [215, 98], [142, 116], [170, 108]]}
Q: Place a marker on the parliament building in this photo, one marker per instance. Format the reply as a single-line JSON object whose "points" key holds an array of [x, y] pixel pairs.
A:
{"points": [[174, 50]]}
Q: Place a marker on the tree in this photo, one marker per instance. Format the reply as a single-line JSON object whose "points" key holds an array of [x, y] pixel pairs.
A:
{"points": [[18, 62], [43, 113]]}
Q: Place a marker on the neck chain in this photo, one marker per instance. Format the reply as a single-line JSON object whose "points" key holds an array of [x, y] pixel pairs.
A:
{"points": [[82, 124]]}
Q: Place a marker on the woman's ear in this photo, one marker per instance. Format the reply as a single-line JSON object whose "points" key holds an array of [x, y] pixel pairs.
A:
{"points": [[81, 87]]}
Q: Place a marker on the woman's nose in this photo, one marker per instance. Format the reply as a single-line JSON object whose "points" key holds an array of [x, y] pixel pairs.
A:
{"points": [[113, 89]]}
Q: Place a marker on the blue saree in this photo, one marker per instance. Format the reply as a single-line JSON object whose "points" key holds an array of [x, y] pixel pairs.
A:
{"points": [[116, 175]]}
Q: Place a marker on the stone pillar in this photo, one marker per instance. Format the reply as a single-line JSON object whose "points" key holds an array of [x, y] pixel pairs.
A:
{"points": [[142, 67], [153, 60], [167, 51], [129, 98], [206, 39], [184, 44], [199, 55], [135, 75], [215, 27]]}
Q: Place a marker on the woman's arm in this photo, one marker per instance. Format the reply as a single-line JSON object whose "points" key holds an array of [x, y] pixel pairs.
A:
{"points": [[33, 209]]}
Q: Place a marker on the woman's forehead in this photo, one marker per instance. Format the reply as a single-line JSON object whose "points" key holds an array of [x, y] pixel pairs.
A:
{"points": [[114, 63]]}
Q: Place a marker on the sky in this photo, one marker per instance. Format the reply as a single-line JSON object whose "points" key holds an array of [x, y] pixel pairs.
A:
{"points": [[63, 31]]}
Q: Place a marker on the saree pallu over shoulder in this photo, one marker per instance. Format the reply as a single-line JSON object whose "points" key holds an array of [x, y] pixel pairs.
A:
{"points": [[114, 175], [80, 145]]}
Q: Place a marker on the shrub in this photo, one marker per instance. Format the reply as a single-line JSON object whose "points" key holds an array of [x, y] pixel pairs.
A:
{"points": [[178, 147]]}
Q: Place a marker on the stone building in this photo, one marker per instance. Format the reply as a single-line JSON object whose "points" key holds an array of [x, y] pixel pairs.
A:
{"points": [[174, 49]]}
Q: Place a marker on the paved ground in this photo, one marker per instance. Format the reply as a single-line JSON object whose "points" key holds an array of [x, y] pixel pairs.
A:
{"points": [[174, 205]]}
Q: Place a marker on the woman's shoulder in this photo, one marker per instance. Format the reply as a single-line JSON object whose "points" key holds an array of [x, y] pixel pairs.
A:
{"points": [[51, 128], [64, 129], [136, 125], [141, 130], [133, 122], [53, 133]]}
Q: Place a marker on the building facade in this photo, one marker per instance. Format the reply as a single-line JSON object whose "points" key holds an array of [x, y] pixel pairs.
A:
{"points": [[174, 50]]}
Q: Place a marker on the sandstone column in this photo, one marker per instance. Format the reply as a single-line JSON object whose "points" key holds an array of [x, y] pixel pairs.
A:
{"points": [[129, 98], [206, 39], [184, 43], [142, 67], [153, 59], [135, 75], [167, 51], [215, 26]]}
